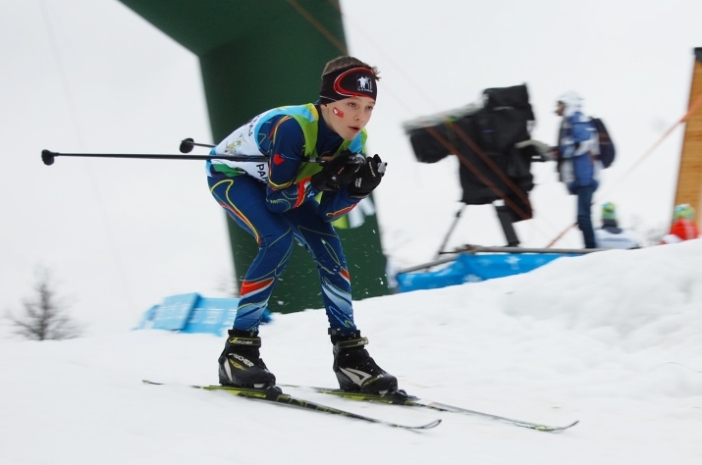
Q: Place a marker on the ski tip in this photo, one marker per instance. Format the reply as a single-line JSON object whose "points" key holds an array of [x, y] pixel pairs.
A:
{"points": [[146, 381], [572, 424], [430, 425], [555, 429]]}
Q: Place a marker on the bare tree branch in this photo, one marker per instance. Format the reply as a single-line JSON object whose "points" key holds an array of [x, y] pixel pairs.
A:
{"points": [[44, 315]]}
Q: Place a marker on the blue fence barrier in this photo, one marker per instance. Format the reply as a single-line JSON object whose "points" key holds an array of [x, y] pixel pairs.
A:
{"points": [[192, 313], [474, 268]]}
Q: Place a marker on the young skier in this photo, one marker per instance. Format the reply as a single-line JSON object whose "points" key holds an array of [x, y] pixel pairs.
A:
{"points": [[276, 202]]}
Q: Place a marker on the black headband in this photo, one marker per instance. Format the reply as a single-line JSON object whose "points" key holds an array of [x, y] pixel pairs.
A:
{"points": [[353, 82]]}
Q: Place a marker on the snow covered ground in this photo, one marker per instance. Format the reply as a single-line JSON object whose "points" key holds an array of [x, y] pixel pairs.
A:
{"points": [[613, 339]]}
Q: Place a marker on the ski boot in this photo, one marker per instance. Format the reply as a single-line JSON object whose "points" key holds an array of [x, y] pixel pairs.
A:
{"points": [[240, 363], [355, 370]]}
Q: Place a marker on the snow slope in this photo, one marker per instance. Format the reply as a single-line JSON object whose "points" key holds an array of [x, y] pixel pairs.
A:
{"points": [[612, 339]]}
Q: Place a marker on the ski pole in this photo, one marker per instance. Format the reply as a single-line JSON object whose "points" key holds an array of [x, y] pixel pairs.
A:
{"points": [[47, 156], [187, 145]]}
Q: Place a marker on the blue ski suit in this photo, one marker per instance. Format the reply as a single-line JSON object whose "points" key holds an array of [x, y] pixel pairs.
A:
{"points": [[275, 203]]}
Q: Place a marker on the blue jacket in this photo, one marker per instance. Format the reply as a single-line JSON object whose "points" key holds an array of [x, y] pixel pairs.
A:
{"points": [[578, 146], [288, 136]]}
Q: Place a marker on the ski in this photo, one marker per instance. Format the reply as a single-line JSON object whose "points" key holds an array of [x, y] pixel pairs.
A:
{"points": [[276, 396], [402, 398]]}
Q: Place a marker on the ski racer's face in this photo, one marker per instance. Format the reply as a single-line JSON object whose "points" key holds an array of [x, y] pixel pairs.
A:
{"points": [[348, 116]]}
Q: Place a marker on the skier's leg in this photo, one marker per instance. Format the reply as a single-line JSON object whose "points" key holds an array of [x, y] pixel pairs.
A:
{"points": [[243, 198], [323, 243], [355, 369]]}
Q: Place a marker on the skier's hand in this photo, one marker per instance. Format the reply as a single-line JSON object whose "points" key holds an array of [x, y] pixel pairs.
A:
{"points": [[338, 171], [368, 177]]}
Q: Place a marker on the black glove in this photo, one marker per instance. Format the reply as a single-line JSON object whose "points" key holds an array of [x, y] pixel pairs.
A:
{"points": [[368, 177], [337, 172]]}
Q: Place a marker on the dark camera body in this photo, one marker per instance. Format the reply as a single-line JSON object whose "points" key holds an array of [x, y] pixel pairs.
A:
{"points": [[485, 138]]}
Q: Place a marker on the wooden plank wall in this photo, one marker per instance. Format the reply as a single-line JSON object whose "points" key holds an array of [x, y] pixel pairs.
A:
{"points": [[689, 188]]}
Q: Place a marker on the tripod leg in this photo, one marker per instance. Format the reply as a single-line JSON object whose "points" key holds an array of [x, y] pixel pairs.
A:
{"points": [[507, 219], [453, 226]]}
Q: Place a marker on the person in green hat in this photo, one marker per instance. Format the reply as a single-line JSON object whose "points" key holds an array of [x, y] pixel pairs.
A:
{"points": [[610, 235]]}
